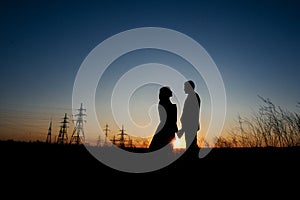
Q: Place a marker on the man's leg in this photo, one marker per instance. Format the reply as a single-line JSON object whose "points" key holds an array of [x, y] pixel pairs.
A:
{"points": [[193, 150]]}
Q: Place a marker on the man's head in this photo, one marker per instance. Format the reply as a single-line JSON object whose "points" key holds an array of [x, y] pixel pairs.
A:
{"points": [[189, 87]]}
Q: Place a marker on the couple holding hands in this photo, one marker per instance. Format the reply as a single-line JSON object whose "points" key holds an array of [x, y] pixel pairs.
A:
{"points": [[167, 128]]}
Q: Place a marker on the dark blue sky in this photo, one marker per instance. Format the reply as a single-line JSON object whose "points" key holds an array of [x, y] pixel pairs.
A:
{"points": [[255, 44]]}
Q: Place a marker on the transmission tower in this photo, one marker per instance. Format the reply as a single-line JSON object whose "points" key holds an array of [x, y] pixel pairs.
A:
{"points": [[63, 136], [122, 138], [106, 130], [130, 143], [114, 140], [98, 144], [48, 140], [78, 132]]}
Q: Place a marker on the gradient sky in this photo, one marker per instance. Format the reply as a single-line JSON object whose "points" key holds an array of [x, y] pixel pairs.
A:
{"points": [[255, 45]]}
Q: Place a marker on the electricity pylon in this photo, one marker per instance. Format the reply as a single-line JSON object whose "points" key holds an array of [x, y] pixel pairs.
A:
{"points": [[122, 138], [48, 139], [106, 130], [78, 136], [63, 132]]}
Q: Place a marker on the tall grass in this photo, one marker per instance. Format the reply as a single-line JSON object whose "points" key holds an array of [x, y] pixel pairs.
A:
{"points": [[269, 126]]}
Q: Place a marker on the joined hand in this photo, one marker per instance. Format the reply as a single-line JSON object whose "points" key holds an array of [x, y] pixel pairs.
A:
{"points": [[180, 133]]}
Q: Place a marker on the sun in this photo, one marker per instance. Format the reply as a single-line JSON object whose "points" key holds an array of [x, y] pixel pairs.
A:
{"points": [[178, 143]]}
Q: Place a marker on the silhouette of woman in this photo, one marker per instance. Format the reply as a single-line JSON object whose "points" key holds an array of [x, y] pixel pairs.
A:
{"points": [[167, 127]]}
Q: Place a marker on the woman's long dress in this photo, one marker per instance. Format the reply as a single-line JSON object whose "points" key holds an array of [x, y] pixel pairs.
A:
{"points": [[167, 127]]}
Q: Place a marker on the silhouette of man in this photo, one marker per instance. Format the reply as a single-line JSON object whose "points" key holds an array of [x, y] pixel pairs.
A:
{"points": [[167, 127], [190, 119]]}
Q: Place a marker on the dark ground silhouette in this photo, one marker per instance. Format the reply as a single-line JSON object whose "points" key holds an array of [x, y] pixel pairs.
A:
{"points": [[61, 167]]}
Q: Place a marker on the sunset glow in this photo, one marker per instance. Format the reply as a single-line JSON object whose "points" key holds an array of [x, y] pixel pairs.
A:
{"points": [[178, 143], [40, 65]]}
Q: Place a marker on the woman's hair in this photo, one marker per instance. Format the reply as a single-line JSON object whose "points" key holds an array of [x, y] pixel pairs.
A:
{"points": [[165, 93]]}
